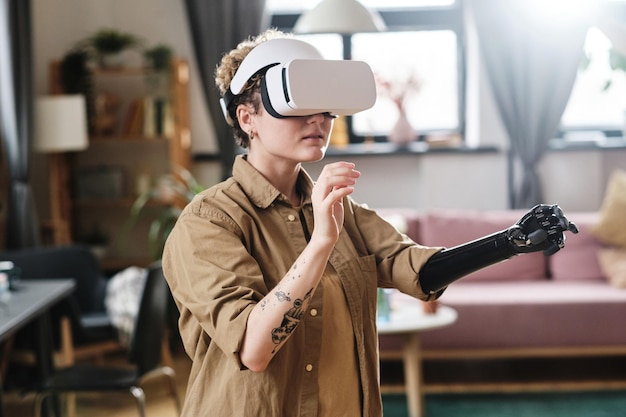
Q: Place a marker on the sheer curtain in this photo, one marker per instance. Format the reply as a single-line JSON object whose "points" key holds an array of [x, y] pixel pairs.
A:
{"points": [[531, 58], [16, 107], [216, 27]]}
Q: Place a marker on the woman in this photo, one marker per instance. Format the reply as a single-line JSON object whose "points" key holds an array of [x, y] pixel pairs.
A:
{"points": [[276, 276]]}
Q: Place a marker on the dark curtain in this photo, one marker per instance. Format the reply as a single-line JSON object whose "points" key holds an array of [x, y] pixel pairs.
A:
{"points": [[217, 26], [531, 63], [16, 105]]}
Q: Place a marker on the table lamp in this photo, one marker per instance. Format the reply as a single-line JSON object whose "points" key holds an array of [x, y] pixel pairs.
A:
{"points": [[60, 127], [339, 16]]}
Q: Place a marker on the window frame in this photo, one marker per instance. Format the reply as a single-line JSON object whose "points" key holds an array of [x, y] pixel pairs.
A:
{"points": [[409, 19]]}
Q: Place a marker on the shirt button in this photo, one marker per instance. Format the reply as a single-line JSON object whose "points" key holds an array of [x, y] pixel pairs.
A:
{"points": [[313, 312], [309, 368], [291, 217]]}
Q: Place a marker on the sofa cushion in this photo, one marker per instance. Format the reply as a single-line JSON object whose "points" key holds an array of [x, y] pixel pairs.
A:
{"points": [[451, 227], [579, 259], [531, 314], [613, 264], [611, 227]]}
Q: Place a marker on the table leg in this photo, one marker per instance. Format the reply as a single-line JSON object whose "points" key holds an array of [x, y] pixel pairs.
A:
{"points": [[412, 356], [45, 362]]}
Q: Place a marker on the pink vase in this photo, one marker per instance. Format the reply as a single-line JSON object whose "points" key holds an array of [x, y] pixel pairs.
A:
{"points": [[402, 132]]}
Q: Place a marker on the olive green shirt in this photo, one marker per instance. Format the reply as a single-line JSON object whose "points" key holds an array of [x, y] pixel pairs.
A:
{"points": [[232, 244]]}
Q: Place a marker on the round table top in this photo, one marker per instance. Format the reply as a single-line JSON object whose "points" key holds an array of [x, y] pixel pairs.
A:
{"points": [[409, 318]]}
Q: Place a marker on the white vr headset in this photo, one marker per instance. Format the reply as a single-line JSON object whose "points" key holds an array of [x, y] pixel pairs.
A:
{"points": [[298, 81]]}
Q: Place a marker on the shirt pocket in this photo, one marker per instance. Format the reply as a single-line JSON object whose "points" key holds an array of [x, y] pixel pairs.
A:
{"points": [[360, 280]]}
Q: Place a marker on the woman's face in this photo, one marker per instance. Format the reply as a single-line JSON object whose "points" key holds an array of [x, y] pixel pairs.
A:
{"points": [[297, 139]]}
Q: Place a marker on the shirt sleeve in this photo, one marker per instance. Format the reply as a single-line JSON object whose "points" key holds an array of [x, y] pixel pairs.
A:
{"points": [[398, 258], [213, 278]]}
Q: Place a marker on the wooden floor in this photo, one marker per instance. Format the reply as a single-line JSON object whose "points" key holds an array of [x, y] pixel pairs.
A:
{"points": [[158, 401], [552, 374]]}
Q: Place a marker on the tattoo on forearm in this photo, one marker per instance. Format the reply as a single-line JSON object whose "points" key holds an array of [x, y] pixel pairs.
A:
{"points": [[291, 319], [282, 296], [294, 274]]}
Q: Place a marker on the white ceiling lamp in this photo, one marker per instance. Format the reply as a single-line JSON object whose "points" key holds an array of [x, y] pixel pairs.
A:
{"points": [[339, 16]]}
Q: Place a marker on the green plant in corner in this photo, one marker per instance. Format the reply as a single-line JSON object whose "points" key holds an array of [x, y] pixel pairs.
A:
{"points": [[175, 190], [107, 45], [111, 41], [158, 57]]}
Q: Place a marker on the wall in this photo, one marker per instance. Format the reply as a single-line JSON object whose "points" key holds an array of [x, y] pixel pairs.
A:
{"points": [[576, 180]]}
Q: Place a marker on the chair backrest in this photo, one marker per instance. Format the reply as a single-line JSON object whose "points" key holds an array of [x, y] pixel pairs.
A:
{"points": [[145, 346], [71, 261]]}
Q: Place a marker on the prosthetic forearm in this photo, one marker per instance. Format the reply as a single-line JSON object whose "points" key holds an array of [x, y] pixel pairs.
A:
{"points": [[541, 229]]}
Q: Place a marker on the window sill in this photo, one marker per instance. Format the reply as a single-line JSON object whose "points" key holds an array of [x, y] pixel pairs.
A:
{"points": [[609, 143], [383, 149], [413, 148]]}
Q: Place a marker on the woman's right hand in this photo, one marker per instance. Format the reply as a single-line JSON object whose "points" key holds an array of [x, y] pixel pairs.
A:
{"points": [[335, 182]]}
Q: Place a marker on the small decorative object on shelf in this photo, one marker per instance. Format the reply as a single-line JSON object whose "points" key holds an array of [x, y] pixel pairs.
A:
{"points": [[402, 132], [158, 57], [106, 106], [397, 90]]}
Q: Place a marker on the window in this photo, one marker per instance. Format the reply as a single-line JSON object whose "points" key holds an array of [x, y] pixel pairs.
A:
{"points": [[421, 50], [598, 100]]}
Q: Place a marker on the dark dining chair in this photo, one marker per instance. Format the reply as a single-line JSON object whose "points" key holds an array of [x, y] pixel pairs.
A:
{"points": [[144, 354], [82, 327]]}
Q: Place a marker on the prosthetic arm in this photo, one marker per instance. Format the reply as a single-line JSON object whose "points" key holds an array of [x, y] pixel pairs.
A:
{"points": [[541, 229]]}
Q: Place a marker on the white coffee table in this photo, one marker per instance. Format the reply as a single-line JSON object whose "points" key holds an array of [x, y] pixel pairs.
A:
{"points": [[408, 319]]}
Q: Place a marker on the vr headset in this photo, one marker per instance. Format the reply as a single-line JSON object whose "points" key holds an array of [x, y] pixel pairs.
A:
{"points": [[298, 81]]}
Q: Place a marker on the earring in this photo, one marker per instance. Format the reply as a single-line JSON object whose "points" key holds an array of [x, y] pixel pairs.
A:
{"points": [[251, 135]]}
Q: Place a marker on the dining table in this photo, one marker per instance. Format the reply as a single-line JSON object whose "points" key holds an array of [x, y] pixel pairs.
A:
{"points": [[30, 301]]}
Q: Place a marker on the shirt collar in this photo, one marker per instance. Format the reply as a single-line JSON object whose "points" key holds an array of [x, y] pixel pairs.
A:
{"points": [[259, 190]]}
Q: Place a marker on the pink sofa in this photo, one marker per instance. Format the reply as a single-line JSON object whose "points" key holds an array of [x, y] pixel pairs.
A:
{"points": [[527, 306]]}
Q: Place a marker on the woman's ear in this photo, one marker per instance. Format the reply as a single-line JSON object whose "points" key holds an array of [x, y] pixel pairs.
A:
{"points": [[244, 113]]}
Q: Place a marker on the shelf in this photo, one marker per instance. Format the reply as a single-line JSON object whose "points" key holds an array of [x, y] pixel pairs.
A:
{"points": [[116, 203], [121, 140], [122, 71], [101, 182]]}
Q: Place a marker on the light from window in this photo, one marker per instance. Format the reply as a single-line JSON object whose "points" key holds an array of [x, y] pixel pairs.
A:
{"points": [[330, 45], [590, 105], [430, 58], [282, 6]]}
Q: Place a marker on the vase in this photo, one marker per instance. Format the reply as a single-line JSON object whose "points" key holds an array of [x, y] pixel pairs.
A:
{"points": [[402, 132], [111, 60]]}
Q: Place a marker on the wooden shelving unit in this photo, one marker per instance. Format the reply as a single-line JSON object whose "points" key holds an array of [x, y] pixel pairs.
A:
{"points": [[104, 180]]}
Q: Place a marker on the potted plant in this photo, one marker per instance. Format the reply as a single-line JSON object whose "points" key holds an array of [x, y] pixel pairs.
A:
{"points": [[174, 190], [158, 57], [108, 44]]}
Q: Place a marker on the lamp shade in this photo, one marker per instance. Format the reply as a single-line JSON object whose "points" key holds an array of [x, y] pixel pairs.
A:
{"points": [[60, 123], [339, 16]]}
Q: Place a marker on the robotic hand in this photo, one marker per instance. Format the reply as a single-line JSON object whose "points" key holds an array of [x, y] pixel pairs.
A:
{"points": [[541, 229]]}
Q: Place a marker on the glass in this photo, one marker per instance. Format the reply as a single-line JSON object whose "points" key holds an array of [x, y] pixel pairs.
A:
{"points": [[12, 273], [383, 305]]}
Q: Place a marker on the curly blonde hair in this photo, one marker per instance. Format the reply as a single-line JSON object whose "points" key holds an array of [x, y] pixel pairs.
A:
{"points": [[225, 72]]}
